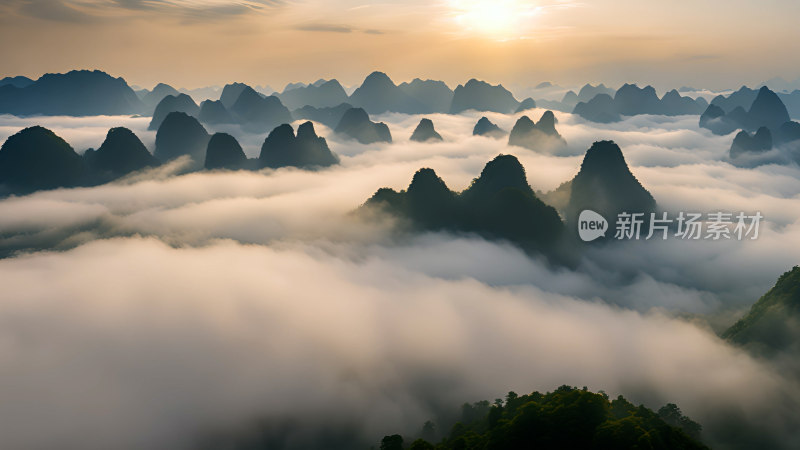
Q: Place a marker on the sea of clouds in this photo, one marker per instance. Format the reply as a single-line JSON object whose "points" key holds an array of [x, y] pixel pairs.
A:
{"points": [[151, 311]]}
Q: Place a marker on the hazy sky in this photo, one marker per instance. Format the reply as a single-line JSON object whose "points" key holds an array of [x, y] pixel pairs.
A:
{"points": [[709, 43]]}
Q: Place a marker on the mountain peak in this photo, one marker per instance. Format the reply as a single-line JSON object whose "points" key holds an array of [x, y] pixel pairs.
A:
{"points": [[282, 148], [540, 136], [181, 134], [224, 152], [425, 132], [606, 185], [524, 123], [768, 110], [504, 171], [425, 176], [36, 158], [526, 104], [355, 123], [378, 79], [547, 123], [485, 127], [603, 156], [482, 96], [306, 131], [121, 152]]}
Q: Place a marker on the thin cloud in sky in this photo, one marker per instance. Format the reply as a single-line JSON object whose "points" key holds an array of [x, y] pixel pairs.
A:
{"points": [[75, 11]]}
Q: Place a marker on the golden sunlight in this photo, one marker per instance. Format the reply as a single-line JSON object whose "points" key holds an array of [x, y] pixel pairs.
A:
{"points": [[498, 19]]}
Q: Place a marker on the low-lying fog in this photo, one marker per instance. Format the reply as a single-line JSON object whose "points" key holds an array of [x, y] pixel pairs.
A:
{"points": [[174, 305]]}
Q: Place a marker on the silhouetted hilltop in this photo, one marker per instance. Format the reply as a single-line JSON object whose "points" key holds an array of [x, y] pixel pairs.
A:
{"points": [[224, 152], [17, 82], [282, 148], [606, 185], [571, 99], [378, 94], [258, 114], [773, 323], [121, 153], [320, 95], [498, 205], [181, 134], [425, 132], [766, 110], [214, 112], [290, 86], [154, 97], [525, 105], [589, 92], [173, 103], [504, 171], [761, 141], [599, 109], [541, 136], [231, 92], [522, 127], [743, 98], [713, 118], [547, 123], [429, 202], [485, 127], [788, 132], [567, 418], [76, 93], [482, 96], [329, 117], [36, 158], [631, 100], [673, 104], [434, 96], [355, 123]]}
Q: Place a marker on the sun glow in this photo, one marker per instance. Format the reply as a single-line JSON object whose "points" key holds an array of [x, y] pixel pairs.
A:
{"points": [[499, 19]]}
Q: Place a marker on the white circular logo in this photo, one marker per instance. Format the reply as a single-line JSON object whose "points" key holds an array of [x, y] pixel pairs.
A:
{"points": [[591, 225]]}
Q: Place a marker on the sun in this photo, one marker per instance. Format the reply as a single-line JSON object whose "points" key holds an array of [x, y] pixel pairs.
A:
{"points": [[498, 19]]}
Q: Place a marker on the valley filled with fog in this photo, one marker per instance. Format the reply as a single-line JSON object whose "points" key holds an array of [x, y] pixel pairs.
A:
{"points": [[170, 304]]}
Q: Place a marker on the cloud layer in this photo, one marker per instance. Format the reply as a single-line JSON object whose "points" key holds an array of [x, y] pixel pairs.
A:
{"points": [[177, 306]]}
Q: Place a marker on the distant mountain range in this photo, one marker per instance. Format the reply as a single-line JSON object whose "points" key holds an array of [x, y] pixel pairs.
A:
{"points": [[76, 93], [94, 92], [324, 93], [570, 98], [18, 82], [482, 96], [83, 93], [631, 100], [762, 118], [745, 109], [378, 94], [35, 158]]}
